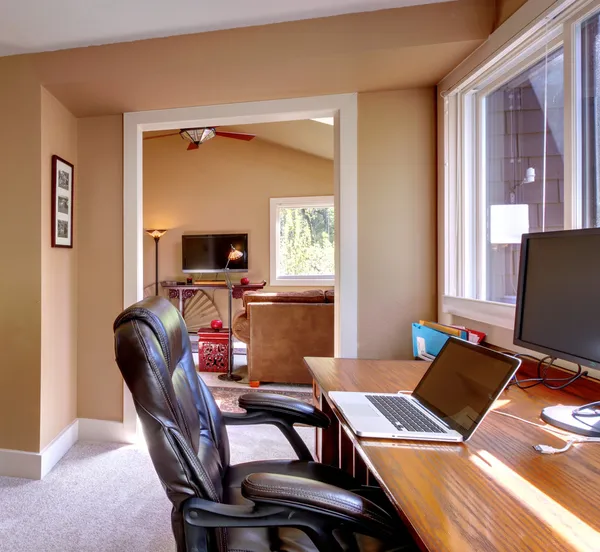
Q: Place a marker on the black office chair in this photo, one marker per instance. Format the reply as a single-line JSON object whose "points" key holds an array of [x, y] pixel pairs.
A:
{"points": [[291, 505]]}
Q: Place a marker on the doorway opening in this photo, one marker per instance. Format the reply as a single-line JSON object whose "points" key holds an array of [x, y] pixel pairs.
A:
{"points": [[343, 109]]}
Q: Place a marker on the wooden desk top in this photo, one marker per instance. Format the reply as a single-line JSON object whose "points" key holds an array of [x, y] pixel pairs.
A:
{"points": [[494, 492]]}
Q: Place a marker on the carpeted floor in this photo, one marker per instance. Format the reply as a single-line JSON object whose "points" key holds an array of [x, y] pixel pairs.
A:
{"points": [[106, 497]]}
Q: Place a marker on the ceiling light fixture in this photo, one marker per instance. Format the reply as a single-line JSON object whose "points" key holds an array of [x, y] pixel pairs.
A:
{"points": [[197, 136]]}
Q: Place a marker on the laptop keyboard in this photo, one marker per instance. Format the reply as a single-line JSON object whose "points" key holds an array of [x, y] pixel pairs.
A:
{"points": [[403, 414]]}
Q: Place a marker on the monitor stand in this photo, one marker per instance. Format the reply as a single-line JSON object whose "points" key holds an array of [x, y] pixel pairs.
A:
{"points": [[562, 417]]}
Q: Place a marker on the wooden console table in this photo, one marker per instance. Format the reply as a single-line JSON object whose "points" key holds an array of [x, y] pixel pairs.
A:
{"points": [[494, 492], [183, 292]]}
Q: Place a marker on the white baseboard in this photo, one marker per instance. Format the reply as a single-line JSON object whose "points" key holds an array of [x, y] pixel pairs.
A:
{"points": [[19, 463], [36, 465], [103, 430], [58, 448]]}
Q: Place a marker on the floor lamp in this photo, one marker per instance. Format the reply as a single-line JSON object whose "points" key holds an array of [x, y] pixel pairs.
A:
{"points": [[234, 255], [156, 234]]}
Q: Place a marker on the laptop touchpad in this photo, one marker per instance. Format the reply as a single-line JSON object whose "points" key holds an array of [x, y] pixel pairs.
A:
{"points": [[363, 410]]}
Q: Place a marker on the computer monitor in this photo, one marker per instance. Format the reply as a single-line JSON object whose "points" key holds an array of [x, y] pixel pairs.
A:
{"points": [[558, 303], [558, 300]]}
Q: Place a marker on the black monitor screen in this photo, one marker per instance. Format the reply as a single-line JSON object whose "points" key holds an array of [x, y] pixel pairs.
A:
{"points": [[559, 296], [209, 253], [462, 383]]}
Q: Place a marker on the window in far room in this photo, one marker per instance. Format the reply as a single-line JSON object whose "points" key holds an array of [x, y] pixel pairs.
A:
{"points": [[302, 241]]}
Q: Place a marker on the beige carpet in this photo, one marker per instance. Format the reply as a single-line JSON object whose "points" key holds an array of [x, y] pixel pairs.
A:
{"points": [[107, 497]]}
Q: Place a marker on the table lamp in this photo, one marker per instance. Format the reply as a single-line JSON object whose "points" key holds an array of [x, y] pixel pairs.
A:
{"points": [[156, 234], [233, 255]]}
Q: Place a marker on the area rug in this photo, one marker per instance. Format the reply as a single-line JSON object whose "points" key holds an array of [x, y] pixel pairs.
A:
{"points": [[227, 397]]}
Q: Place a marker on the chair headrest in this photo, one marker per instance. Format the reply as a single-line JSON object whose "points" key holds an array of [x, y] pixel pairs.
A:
{"points": [[165, 322]]}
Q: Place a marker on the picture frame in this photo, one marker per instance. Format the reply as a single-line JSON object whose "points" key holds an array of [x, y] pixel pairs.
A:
{"points": [[63, 174]]}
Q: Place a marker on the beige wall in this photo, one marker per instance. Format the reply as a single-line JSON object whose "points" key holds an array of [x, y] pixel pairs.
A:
{"points": [[20, 243], [59, 282], [224, 186], [396, 219], [385, 50], [505, 8], [100, 267]]}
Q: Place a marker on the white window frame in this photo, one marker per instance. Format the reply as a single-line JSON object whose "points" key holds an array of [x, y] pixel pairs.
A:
{"points": [[464, 212], [277, 203]]}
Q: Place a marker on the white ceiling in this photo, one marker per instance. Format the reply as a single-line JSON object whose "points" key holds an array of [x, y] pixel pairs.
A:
{"points": [[43, 25]]}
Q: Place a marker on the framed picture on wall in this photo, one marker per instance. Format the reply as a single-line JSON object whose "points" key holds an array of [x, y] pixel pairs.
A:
{"points": [[62, 202]]}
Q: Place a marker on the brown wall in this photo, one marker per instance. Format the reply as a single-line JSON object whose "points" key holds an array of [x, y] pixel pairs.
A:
{"points": [[505, 8], [59, 282], [396, 219], [20, 243], [224, 186], [100, 298]]}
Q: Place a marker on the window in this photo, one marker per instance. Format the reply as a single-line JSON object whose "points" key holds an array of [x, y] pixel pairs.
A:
{"points": [[524, 176], [521, 154], [590, 119], [302, 241]]}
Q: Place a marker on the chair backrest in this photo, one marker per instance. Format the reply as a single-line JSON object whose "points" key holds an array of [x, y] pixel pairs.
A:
{"points": [[182, 424]]}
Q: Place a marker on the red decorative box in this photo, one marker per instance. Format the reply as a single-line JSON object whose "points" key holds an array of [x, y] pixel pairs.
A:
{"points": [[213, 350]]}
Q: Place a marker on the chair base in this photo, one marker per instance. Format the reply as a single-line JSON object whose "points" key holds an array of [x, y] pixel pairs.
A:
{"points": [[230, 377]]}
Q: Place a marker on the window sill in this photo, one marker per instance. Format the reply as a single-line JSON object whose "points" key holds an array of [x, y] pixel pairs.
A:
{"points": [[303, 282], [488, 312]]}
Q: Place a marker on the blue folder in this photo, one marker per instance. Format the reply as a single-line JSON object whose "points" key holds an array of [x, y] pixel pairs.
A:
{"points": [[434, 339]]}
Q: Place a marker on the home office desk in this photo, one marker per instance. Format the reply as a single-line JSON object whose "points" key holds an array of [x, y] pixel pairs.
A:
{"points": [[492, 493]]}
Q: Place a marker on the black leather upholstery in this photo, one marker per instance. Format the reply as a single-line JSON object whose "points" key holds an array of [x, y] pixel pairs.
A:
{"points": [[187, 440], [300, 412]]}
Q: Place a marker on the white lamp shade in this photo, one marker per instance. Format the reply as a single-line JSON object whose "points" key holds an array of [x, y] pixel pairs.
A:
{"points": [[508, 223]]}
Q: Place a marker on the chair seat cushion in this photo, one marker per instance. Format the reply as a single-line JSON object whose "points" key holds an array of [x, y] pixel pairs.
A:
{"points": [[285, 539]]}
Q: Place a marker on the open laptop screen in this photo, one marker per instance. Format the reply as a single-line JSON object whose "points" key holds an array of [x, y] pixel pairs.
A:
{"points": [[463, 382]]}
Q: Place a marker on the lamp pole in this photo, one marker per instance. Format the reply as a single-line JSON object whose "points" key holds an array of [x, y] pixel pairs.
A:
{"points": [[156, 238], [230, 376], [156, 234]]}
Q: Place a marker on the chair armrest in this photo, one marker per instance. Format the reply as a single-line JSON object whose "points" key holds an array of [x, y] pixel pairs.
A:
{"points": [[299, 411], [321, 499], [282, 412], [317, 509]]}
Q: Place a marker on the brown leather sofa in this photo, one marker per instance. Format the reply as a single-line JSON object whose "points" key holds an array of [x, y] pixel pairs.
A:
{"points": [[280, 329]]}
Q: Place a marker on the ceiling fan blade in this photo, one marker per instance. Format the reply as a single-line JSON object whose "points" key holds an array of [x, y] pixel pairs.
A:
{"points": [[161, 136], [235, 135], [193, 146]]}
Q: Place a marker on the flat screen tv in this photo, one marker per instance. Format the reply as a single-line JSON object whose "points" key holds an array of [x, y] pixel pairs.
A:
{"points": [[209, 252]]}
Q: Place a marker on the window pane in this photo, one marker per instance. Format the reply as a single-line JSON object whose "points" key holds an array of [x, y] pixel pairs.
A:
{"points": [[590, 120], [306, 236], [524, 135]]}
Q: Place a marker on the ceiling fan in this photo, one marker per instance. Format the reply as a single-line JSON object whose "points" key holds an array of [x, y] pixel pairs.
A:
{"points": [[197, 136]]}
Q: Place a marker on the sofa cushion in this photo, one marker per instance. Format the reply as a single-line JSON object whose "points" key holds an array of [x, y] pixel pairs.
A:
{"points": [[310, 296], [330, 296]]}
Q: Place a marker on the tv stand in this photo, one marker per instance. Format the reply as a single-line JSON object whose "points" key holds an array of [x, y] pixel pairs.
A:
{"points": [[562, 417]]}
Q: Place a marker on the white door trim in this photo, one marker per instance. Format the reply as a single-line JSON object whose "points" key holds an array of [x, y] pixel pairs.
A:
{"points": [[343, 107]]}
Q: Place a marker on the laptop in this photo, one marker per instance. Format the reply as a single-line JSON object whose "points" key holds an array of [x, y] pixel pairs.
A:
{"points": [[448, 404]]}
